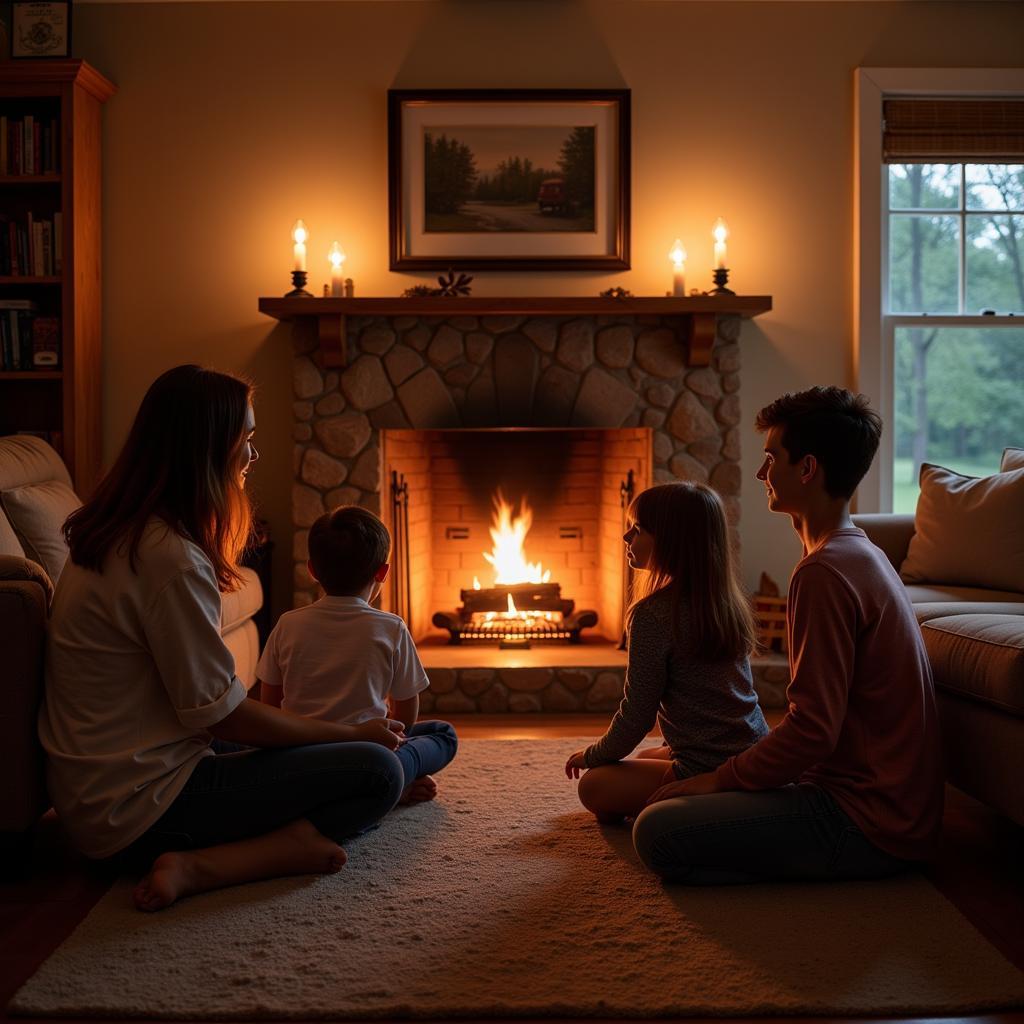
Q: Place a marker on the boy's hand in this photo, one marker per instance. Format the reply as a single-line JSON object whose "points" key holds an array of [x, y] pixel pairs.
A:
{"points": [[575, 764], [380, 730]]}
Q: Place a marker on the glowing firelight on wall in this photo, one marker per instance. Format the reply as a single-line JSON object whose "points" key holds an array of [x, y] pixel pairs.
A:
{"points": [[508, 557]]}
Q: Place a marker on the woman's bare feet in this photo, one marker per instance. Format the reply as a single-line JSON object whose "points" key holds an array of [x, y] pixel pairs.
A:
{"points": [[296, 849], [423, 788]]}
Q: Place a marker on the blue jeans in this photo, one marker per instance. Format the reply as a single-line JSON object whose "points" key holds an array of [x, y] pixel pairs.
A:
{"points": [[429, 747], [797, 832], [342, 788]]}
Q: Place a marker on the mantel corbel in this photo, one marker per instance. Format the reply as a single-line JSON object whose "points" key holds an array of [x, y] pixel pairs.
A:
{"points": [[695, 316]]}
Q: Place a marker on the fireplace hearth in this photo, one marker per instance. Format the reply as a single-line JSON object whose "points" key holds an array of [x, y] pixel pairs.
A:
{"points": [[560, 409]]}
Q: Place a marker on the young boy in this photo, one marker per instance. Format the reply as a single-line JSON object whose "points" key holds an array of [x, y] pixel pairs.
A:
{"points": [[341, 660], [849, 784]]}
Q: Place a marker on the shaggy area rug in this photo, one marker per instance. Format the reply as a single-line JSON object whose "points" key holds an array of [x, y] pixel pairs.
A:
{"points": [[503, 898]]}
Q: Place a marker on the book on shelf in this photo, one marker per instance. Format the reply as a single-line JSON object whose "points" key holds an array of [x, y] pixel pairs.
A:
{"points": [[46, 342], [28, 341], [32, 246], [29, 145]]}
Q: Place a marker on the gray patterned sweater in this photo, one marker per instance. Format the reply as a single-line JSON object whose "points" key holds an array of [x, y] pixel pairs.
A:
{"points": [[707, 711]]}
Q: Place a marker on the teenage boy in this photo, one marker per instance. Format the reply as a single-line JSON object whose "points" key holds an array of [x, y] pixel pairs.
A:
{"points": [[849, 784], [342, 660]]}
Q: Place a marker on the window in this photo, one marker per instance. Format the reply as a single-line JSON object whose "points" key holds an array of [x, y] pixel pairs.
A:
{"points": [[955, 254], [940, 271]]}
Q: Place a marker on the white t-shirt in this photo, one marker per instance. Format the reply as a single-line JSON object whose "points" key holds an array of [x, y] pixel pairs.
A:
{"points": [[135, 672], [338, 660]]}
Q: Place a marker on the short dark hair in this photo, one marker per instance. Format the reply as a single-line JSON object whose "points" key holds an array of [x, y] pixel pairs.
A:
{"points": [[346, 548], [837, 427]]}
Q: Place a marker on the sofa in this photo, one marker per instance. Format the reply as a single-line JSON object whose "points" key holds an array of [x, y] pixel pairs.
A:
{"points": [[35, 498], [961, 557]]}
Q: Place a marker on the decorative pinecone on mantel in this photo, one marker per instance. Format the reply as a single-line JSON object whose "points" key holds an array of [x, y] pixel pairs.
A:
{"points": [[452, 286], [449, 287]]}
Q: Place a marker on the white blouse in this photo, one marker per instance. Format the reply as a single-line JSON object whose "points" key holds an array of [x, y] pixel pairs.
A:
{"points": [[135, 672]]}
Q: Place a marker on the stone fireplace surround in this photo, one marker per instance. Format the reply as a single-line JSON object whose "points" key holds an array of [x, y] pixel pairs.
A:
{"points": [[427, 373]]}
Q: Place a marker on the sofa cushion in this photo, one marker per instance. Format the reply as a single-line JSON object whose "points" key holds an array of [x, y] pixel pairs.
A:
{"points": [[9, 543], [969, 530], [1013, 458], [930, 593], [940, 609], [25, 459], [979, 656], [37, 512], [23, 570]]}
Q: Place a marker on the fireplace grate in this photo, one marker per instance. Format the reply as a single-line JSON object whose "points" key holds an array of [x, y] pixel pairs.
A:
{"points": [[517, 613]]}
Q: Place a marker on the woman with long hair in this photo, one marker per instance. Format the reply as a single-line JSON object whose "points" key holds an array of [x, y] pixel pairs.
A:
{"points": [[154, 754], [690, 632]]}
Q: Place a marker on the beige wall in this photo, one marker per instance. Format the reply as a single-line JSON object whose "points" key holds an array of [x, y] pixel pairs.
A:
{"points": [[234, 119]]}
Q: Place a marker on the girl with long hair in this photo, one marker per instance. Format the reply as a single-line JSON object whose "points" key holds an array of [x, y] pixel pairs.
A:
{"points": [[154, 754], [690, 632]]}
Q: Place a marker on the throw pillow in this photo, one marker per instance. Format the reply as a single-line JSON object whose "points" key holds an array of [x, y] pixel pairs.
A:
{"points": [[969, 531], [1013, 458], [37, 512]]}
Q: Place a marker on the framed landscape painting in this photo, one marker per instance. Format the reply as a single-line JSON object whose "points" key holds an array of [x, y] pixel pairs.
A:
{"points": [[509, 179]]}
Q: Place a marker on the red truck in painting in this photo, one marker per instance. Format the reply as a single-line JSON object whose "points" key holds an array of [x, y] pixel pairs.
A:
{"points": [[552, 197]]}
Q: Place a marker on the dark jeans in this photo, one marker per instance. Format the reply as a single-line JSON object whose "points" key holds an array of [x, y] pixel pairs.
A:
{"points": [[429, 747], [342, 788], [797, 832]]}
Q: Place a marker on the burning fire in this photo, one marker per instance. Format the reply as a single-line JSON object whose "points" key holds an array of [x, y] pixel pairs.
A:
{"points": [[508, 556]]}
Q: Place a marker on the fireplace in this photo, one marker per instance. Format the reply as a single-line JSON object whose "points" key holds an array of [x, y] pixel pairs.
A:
{"points": [[421, 410], [495, 525]]}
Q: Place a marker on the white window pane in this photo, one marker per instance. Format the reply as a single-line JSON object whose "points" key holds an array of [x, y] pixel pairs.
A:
{"points": [[995, 187], [957, 401], [924, 186], [924, 259], [995, 263]]}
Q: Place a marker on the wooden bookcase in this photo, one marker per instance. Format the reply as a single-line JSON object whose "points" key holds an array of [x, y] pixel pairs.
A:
{"points": [[63, 402]]}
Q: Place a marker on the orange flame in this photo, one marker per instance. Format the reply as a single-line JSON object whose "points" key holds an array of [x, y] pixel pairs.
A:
{"points": [[508, 557]]}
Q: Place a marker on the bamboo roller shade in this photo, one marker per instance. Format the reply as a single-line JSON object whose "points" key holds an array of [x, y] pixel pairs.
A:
{"points": [[936, 130]]}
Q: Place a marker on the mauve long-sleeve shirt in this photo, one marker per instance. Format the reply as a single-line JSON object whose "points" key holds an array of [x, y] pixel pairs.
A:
{"points": [[862, 721], [707, 710]]}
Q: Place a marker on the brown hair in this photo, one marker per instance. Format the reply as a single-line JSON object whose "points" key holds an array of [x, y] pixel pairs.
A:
{"points": [[692, 559], [837, 427], [346, 548], [179, 464]]}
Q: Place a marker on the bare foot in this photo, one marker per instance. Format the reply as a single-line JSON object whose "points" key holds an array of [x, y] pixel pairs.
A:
{"points": [[424, 788], [296, 849]]}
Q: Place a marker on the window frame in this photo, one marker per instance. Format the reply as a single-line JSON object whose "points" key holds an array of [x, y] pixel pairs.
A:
{"points": [[873, 328]]}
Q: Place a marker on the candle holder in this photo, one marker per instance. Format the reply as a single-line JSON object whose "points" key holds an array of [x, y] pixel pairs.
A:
{"points": [[299, 291], [721, 278]]}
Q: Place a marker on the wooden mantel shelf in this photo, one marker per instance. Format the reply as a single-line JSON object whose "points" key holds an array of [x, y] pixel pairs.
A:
{"points": [[695, 315]]}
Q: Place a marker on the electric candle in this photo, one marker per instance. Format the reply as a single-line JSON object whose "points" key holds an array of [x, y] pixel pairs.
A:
{"points": [[299, 235], [721, 233], [337, 258], [677, 254]]}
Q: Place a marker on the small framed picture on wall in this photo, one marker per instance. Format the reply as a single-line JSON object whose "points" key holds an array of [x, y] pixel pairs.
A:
{"points": [[40, 28]]}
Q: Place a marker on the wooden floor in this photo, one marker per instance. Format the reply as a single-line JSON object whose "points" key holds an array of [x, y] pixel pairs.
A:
{"points": [[979, 870]]}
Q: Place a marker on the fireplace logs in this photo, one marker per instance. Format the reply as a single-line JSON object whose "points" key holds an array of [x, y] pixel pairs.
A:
{"points": [[515, 614]]}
